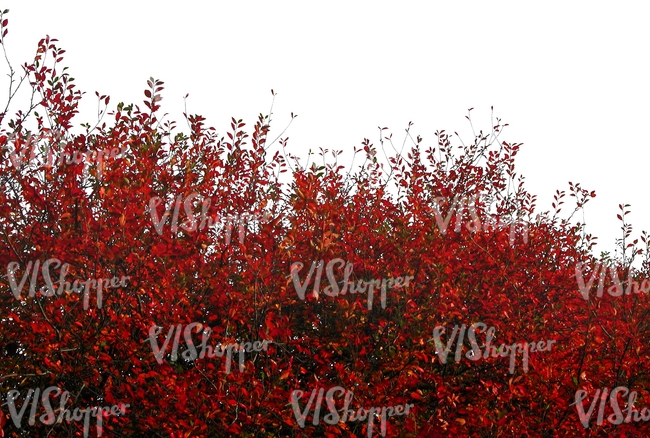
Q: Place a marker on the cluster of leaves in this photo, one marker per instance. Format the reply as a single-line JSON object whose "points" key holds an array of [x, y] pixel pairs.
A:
{"points": [[95, 217]]}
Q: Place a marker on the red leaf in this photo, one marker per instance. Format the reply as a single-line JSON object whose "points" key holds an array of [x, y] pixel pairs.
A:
{"points": [[3, 421]]}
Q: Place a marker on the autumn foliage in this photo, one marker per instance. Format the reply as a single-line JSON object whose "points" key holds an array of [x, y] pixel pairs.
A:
{"points": [[96, 216]]}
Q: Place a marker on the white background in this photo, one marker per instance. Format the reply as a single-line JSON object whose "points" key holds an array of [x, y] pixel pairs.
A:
{"points": [[571, 78]]}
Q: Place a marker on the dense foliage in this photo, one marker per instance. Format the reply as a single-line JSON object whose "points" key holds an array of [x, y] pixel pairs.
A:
{"points": [[200, 229]]}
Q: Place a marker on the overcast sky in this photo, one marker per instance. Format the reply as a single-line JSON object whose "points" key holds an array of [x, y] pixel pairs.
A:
{"points": [[571, 78]]}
